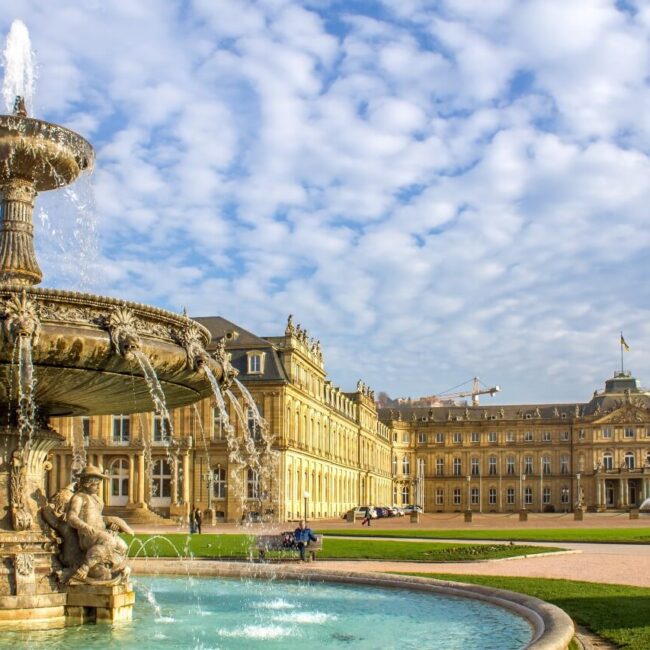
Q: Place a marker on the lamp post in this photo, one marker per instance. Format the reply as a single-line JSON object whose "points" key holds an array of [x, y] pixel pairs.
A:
{"points": [[578, 495], [521, 483], [306, 495], [469, 492]]}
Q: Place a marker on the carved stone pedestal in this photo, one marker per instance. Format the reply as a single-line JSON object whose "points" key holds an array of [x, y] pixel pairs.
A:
{"points": [[98, 603]]}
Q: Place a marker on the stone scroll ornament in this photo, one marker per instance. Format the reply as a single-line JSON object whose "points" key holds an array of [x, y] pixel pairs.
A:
{"points": [[122, 327], [21, 319], [21, 517]]}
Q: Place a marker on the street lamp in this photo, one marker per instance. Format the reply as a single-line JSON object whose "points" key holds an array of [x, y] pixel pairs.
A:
{"points": [[469, 493], [578, 495], [306, 495], [523, 480]]}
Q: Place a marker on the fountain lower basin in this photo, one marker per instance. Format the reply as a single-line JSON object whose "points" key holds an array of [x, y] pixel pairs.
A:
{"points": [[227, 613]]}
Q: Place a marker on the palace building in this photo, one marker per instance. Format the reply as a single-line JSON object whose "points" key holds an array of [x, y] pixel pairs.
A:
{"points": [[335, 450]]}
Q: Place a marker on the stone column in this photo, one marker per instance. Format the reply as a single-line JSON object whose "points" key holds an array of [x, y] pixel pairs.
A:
{"points": [[131, 479], [141, 481], [102, 485], [186, 477]]}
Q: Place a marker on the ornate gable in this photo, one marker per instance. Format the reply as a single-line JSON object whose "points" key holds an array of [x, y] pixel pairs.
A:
{"points": [[628, 413]]}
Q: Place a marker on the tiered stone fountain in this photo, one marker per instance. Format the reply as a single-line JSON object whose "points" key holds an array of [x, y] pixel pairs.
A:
{"points": [[68, 353]]}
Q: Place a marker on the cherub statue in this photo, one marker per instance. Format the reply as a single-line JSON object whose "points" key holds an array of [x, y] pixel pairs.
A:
{"points": [[91, 551]]}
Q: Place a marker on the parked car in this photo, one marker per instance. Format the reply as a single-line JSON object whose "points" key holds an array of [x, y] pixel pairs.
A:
{"points": [[412, 508], [381, 512], [399, 512], [360, 512]]}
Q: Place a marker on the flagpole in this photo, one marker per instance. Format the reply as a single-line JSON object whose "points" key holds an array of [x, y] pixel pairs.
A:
{"points": [[622, 369]]}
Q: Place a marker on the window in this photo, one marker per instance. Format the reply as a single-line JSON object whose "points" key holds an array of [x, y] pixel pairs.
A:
{"points": [[492, 465], [492, 496], [252, 484], [219, 483], [474, 467], [564, 495], [474, 496], [546, 436], [421, 467], [85, 429], [629, 432], [528, 496], [510, 496], [406, 466], [405, 495], [528, 465], [456, 496], [528, 436], [546, 495], [254, 426], [510, 465], [119, 482], [510, 436], [161, 479], [546, 465], [629, 460], [440, 467], [422, 438], [564, 464], [492, 436], [255, 362], [608, 460], [607, 432], [458, 438], [217, 424], [160, 429], [457, 467], [564, 436], [581, 434], [121, 429], [440, 438], [440, 497], [394, 464], [406, 438], [475, 438]]}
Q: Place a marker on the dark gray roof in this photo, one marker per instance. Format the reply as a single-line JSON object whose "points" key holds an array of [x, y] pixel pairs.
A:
{"points": [[238, 347]]}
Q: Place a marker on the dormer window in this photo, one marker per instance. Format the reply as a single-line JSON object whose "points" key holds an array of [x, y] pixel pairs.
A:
{"points": [[255, 362]]}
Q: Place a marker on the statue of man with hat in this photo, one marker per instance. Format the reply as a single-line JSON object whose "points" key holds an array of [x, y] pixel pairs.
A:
{"points": [[105, 552]]}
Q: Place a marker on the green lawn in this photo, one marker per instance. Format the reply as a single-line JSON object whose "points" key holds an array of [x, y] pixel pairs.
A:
{"points": [[615, 612], [241, 546], [604, 535]]}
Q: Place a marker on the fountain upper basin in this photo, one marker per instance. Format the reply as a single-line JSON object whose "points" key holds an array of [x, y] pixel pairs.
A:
{"points": [[46, 154], [77, 368]]}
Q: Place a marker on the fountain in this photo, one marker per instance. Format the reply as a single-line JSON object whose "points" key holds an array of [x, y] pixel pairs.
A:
{"points": [[68, 353]]}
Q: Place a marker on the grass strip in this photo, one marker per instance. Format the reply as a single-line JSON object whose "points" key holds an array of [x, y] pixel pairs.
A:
{"points": [[617, 613], [242, 546], [592, 535]]}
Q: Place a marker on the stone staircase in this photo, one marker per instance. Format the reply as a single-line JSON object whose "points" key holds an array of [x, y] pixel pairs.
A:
{"points": [[138, 516]]}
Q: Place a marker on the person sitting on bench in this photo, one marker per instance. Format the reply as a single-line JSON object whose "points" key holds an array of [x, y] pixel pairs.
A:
{"points": [[302, 536]]}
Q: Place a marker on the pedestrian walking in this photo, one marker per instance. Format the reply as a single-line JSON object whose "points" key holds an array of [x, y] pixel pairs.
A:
{"points": [[198, 520]]}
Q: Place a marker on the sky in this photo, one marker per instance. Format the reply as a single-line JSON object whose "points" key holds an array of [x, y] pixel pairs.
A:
{"points": [[434, 189]]}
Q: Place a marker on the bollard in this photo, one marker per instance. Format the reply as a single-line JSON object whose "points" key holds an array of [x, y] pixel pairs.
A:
{"points": [[349, 517], [468, 516], [415, 517], [523, 515], [634, 513], [578, 514]]}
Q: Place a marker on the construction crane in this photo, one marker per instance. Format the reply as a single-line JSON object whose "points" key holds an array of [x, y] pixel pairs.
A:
{"points": [[474, 393]]}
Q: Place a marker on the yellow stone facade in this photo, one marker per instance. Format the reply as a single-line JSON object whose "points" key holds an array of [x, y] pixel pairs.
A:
{"points": [[338, 449]]}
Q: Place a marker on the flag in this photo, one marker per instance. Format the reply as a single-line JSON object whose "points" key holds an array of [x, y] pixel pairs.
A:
{"points": [[624, 344]]}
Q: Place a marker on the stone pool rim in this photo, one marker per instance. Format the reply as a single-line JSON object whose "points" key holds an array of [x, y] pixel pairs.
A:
{"points": [[552, 628]]}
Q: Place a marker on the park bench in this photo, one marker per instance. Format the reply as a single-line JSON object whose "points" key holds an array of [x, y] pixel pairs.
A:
{"points": [[284, 542]]}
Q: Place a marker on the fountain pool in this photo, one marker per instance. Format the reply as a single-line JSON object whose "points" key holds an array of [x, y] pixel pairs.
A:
{"points": [[208, 612]]}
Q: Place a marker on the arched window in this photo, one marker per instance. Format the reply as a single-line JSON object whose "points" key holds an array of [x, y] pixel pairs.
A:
{"points": [[405, 495], [119, 482], [219, 483], [406, 465], [629, 460]]}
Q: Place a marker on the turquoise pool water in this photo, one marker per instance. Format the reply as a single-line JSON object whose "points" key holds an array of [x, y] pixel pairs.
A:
{"points": [[211, 613]]}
